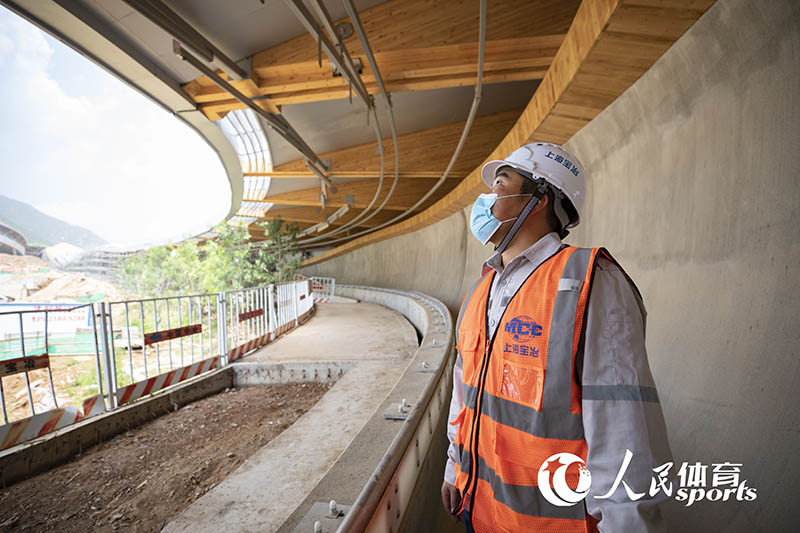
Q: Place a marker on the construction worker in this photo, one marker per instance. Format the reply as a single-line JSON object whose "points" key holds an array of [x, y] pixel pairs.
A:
{"points": [[551, 372]]}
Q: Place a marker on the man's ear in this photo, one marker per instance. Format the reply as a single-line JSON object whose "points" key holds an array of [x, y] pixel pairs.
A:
{"points": [[541, 205]]}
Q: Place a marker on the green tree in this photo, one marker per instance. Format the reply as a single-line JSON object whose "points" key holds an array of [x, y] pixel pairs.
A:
{"points": [[278, 258], [225, 263]]}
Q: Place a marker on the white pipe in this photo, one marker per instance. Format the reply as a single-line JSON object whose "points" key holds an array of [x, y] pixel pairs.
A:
{"points": [[349, 73], [353, 14], [472, 112]]}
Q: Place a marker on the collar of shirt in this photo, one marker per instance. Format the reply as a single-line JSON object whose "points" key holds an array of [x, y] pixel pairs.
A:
{"points": [[538, 252], [509, 278]]}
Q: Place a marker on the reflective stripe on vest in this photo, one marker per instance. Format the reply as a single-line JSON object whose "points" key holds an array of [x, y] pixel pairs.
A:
{"points": [[523, 385]]}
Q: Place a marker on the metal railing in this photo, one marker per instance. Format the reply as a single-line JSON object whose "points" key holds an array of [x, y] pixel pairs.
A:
{"points": [[129, 349]]}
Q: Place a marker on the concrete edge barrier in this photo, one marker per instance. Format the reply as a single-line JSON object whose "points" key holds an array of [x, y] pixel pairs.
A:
{"points": [[250, 374], [392, 491]]}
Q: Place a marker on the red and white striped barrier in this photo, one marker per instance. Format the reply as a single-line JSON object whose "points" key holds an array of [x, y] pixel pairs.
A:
{"points": [[250, 314], [43, 423], [24, 364], [239, 351], [175, 333], [286, 327], [139, 389], [320, 300], [93, 406]]}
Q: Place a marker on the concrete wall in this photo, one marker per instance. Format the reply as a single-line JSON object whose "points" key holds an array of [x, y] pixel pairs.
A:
{"points": [[695, 188]]}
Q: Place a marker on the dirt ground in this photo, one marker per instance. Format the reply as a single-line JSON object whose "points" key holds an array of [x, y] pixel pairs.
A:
{"points": [[142, 478]]}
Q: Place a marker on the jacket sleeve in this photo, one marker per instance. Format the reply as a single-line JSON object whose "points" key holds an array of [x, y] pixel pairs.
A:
{"points": [[455, 409], [621, 409]]}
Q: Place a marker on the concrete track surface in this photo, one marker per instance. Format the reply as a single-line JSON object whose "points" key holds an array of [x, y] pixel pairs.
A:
{"points": [[694, 186], [265, 490]]}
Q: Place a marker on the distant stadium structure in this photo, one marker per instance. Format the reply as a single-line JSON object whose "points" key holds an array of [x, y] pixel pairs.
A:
{"points": [[99, 262], [11, 241]]}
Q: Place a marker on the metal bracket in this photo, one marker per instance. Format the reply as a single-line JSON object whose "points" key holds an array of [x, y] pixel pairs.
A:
{"points": [[323, 518], [356, 63], [426, 368], [398, 411]]}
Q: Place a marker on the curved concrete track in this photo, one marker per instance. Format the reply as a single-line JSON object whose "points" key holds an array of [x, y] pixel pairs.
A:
{"points": [[694, 188], [265, 490]]}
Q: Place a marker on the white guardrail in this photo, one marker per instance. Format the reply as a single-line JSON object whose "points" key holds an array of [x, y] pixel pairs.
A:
{"points": [[123, 351]]}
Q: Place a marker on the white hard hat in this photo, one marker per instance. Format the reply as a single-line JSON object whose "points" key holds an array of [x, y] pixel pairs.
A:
{"points": [[551, 163]]}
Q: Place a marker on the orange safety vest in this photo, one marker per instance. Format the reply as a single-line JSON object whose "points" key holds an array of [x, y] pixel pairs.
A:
{"points": [[522, 382]]}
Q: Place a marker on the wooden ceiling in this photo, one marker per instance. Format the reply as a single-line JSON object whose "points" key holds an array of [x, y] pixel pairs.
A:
{"points": [[586, 54], [418, 45]]}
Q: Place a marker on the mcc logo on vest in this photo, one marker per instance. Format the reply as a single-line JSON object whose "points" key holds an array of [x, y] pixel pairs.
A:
{"points": [[522, 329]]}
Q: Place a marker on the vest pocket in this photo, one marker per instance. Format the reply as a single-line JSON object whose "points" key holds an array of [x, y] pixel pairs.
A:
{"points": [[522, 383], [469, 346]]}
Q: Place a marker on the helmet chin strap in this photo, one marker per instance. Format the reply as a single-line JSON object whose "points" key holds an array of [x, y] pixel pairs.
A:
{"points": [[540, 191]]}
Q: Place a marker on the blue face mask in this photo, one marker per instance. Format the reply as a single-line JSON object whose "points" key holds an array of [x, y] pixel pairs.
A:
{"points": [[482, 222]]}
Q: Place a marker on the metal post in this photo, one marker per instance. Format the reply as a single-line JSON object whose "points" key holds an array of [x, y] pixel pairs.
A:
{"points": [[294, 302], [278, 307], [222, 334], [245, 326], [49, 368], [156, 323], [261, 328], [256, 320], [235, 318], [113, 348], [208, 311], [282, 304], [109, 369], [97, 354], [191, 319], [284, 301], [169, 341], [180, 325], [229, 331], [130, 348], [144, 348], [250, 321], [27, 379], [234, 332], [271, 310]]}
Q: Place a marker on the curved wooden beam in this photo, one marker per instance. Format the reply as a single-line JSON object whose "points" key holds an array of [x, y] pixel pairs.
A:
{"points": [[610, 44], [423, 154]]}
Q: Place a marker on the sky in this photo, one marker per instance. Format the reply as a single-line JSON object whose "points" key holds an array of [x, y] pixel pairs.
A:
{"points": [[82, 146]]}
